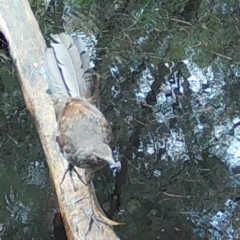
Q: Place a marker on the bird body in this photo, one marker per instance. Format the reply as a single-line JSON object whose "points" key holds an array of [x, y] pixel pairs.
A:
{"points": [[84, 135], [86, 142]]}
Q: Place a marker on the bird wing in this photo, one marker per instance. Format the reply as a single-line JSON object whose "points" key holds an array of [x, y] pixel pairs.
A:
{"points": [[80, 120]]}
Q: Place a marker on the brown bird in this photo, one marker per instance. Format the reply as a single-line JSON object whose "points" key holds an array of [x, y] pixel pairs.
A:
{"points": [[85, 137]]}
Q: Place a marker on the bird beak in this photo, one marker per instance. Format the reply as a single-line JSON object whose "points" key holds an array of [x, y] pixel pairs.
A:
{"points": [[113, 163]]}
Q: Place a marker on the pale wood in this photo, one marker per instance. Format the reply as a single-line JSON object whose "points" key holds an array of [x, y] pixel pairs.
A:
{"points": [[27, 47]]}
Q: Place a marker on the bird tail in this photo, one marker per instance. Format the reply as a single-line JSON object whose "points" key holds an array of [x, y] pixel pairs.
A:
{"points": [[67, 67]]}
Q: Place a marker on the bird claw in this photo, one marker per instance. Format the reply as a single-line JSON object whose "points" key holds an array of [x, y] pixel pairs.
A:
{"points": [[70, 169]]}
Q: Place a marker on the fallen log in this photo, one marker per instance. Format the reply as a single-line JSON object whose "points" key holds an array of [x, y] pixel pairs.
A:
{"points": [[27, 48]]}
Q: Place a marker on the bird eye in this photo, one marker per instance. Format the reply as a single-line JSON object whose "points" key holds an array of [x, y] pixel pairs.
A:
{"points": [[67, 150]]}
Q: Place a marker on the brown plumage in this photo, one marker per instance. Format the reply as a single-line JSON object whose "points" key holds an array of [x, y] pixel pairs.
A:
{"points": [[85, 136]]}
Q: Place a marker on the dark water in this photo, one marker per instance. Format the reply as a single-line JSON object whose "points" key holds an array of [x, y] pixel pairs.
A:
{"points": [[170, 89]]}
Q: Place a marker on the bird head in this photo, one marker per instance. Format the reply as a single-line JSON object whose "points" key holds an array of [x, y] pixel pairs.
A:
{"points": [[104, 152]]}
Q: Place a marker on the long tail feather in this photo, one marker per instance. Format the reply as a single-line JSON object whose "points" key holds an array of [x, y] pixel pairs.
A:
{"points": [[69, 62], [55, 80], [88, 72], [66, 63], [84, 55]]}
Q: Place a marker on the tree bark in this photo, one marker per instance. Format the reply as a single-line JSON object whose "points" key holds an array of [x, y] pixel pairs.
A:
{"points": [[27, 48]]}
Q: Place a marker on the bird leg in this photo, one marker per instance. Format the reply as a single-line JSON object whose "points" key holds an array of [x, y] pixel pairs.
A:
{"points": [[89, 175], [70, 169]]}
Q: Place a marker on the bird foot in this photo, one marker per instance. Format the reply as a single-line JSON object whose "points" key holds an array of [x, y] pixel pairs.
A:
{"points": [[70, 169]]}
